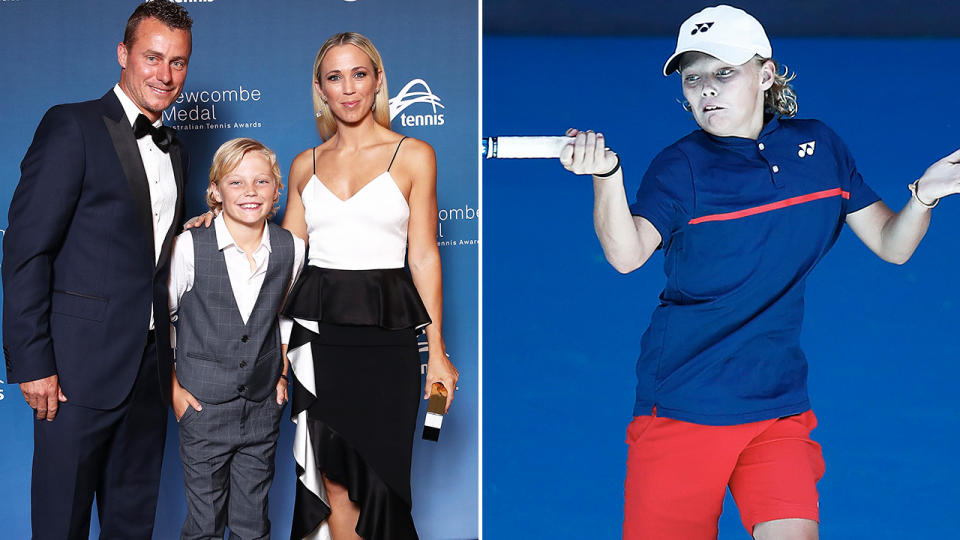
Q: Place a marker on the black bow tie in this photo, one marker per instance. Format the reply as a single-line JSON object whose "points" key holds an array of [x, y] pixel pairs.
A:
{"points": [[162, 136]]}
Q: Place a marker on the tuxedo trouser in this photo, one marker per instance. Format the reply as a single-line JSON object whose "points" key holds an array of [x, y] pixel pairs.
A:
{"points": [[114, 455]]}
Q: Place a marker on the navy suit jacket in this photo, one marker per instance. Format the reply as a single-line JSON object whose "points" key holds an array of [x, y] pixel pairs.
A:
{"points": [[78, 269]]}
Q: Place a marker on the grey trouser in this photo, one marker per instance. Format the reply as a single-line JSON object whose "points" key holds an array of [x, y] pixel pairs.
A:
{"points": [[227, 451]]}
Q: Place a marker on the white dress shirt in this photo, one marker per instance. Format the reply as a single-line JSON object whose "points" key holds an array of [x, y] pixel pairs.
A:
{"points": [[159, 169], [160, 180], [245, 282]]}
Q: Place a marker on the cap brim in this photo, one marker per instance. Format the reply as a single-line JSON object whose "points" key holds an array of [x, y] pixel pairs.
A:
{"points": [[725, 53]]}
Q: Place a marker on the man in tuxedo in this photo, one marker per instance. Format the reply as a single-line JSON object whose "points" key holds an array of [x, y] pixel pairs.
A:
{"points": [[85, 267]]}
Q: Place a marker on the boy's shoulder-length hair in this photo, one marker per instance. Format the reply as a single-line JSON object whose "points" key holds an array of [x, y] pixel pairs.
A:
{"points": [[228, 157], [781, 97]]}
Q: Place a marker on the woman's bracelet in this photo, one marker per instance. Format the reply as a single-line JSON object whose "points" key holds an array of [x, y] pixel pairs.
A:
{"points": [[613, 170], [914, 188]]}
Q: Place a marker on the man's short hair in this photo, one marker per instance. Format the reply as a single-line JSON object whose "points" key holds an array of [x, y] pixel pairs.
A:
{"points": [[169, 13]]}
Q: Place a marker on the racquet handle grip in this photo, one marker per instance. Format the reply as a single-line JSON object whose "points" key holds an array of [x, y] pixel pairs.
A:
{"points": [[523, 147]]}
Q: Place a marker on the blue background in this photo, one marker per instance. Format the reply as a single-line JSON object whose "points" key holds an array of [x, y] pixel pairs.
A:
{"points": [[877, 18], [66, 51], [561, 328]]}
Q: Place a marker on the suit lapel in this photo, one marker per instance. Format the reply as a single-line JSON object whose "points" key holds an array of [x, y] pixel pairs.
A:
{"points": [[129, 155]]}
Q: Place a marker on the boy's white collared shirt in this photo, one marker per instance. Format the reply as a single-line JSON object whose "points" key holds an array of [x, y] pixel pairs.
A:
{"points": [[244, 282]]}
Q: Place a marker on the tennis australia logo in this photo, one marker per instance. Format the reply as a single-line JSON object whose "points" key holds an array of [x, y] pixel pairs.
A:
{"points": [[700, 28], [409, 96], [806, 149]]}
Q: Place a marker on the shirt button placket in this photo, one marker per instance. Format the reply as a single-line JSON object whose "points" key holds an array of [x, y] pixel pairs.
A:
{"points": [[773, 168]]}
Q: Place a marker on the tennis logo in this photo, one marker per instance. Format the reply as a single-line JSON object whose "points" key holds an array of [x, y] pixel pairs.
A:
{"points": [[410, 95], [1, 389], [806, 149]]}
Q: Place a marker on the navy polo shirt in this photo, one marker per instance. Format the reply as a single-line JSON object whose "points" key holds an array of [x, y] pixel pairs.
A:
{"points": [[743, 223]]}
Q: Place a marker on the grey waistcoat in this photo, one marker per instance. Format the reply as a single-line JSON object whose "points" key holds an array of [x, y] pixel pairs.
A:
{"points": [[219, 357]]}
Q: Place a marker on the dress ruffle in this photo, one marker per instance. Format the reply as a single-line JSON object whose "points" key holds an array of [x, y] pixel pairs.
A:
{"points": [[384, 297], [350, 298], [384, 515]]}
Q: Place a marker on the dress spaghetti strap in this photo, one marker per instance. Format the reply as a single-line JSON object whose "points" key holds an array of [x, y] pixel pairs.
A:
{"points": [[314, 150], [394, 153]]}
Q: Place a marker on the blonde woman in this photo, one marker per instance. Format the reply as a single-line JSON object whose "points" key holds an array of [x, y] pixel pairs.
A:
{"points": [[365, 201]]}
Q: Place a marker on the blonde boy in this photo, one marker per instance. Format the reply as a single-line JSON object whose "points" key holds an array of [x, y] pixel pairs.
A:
{"points": [[744, 208], [227, 284]]}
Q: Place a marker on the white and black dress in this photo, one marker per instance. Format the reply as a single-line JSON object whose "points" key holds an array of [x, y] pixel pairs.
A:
{"points": [[353, 351]]}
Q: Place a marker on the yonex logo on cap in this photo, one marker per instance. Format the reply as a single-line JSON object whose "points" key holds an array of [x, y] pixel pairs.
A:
{"points": [[700, 27], [806, 149], [734, 37]]}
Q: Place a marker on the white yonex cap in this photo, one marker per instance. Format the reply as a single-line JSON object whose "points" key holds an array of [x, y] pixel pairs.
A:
{"points": [[723, 32]]}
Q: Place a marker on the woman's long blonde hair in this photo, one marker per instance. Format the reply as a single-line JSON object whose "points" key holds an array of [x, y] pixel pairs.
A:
{"points": [[326, 124]]}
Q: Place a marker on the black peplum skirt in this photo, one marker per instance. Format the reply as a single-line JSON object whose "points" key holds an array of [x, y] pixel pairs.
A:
{"points": [[355, 394]]}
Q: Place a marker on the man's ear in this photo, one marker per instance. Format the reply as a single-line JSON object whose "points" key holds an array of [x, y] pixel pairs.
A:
{"points": [[122, 55]]}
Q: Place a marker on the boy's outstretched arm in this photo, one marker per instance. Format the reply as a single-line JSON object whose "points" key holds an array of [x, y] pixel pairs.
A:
{"points": [[895, 236]]}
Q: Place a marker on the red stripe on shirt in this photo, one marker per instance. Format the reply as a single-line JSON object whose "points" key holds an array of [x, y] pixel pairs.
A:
{"points": [[772, 206]]}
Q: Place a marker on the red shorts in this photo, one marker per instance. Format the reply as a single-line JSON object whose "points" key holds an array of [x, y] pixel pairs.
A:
{"points": [[678, 472]]}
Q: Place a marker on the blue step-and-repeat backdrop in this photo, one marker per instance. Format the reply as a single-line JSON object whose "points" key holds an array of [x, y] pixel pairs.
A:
{"points": [[562, 328], [250, 75]]}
